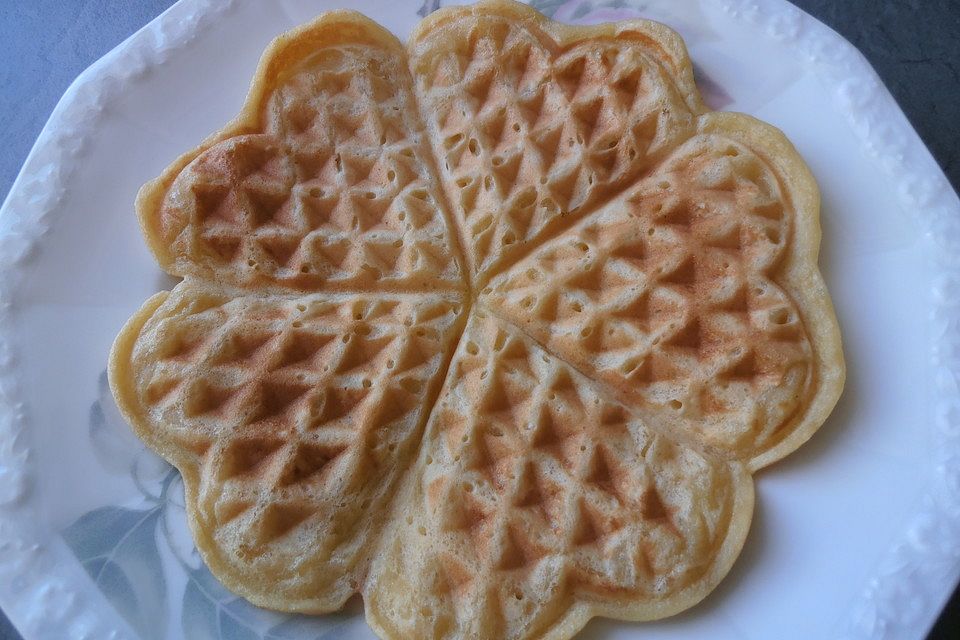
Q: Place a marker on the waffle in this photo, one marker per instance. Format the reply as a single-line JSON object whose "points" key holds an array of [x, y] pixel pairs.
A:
{"points": [[290, 418], [549, 502], [665, 297], [533, 123], [323, 183], [491, 329]]}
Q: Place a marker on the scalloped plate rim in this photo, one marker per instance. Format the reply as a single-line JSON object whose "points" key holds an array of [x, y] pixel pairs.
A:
{"points": [[25, 217]]}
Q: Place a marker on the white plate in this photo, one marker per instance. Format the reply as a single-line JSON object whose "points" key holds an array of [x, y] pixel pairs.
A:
{"points": [[857, 535]]}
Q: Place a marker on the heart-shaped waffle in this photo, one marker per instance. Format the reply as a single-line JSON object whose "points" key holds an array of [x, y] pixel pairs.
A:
{"points": [[491, 329]]}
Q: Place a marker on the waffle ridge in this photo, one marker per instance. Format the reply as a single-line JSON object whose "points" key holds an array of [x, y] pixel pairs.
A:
{"points": [[491, 328]]}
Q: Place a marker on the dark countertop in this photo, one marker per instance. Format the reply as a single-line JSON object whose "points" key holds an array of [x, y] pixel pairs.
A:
{"points": [[913, 44]]}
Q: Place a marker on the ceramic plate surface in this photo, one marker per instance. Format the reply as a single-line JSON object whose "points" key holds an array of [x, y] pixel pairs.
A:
{"points": [[857, 535]]}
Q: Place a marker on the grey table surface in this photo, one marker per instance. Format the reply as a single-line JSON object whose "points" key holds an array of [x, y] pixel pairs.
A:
{"points": [[913, 44]]}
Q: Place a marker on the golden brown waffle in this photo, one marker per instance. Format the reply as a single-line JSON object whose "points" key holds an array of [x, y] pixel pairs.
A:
{"points": [[665, 295], [323, 183], [290, 417], [491, 329], [547, 504], [533, 123]]}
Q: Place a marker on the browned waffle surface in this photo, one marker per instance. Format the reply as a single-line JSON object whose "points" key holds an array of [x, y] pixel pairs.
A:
{"points": [[666, 296], [536, 498], [291, 419], [490, 329], [326, 185], [529, 132]]}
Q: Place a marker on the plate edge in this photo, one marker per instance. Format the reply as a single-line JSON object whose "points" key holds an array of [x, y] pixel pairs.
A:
{"points": [[925, 557], [40, 602], [917, 574]]}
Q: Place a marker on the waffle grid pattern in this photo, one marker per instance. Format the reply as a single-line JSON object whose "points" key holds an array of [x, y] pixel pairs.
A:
{"points": [[664, 295], [529, 141], [335, 194], [547, 494], [286, 403], [492, 338]]}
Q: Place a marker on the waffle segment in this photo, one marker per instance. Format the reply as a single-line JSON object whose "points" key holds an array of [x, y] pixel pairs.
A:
{"points": [[323, 183], [534, 123], [668, 295], [536, 500], [291, 419]]}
